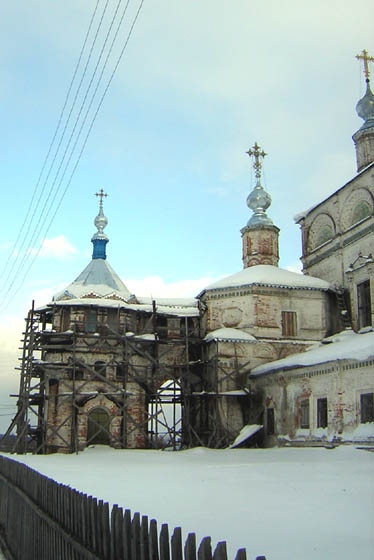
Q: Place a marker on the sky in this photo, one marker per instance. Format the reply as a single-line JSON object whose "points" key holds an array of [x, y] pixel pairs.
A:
{"points": [[199, 83]]}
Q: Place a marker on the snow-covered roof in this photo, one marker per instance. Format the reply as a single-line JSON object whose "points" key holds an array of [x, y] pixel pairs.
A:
{"points": [[346, 345], [97, 279], [268, 275], [169, 302], [229, 334], [115, 303]]}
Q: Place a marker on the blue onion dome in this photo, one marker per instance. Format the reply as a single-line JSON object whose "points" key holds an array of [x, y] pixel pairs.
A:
{"points": [[365, 108]]}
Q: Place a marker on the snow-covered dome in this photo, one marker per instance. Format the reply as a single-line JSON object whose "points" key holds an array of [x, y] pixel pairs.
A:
{"points": [[268, 275], [98, 279]]}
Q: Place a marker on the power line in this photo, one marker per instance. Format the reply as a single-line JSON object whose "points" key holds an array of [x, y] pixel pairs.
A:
{"points": [[14, 249], [87, 135], [36, 231]]}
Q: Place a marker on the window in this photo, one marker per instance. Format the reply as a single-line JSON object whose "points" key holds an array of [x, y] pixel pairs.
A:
{"points": [[77, 373], [270, 424], [364, 304], [304, 419], [361, 211], [65, 319], [325, 234], [91, 320], [100, 368], [289, 323], [121, 370], [367, 407], [322, 413], [113, 319]]}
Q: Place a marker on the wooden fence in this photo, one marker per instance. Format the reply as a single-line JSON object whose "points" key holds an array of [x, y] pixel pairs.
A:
{"points": [[41, 519]]}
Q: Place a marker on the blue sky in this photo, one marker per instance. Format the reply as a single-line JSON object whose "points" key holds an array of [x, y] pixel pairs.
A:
{"points": [[200, 82]]}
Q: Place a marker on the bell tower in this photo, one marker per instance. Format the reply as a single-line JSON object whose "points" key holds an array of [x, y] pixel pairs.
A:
{"points": [[260, 235]]}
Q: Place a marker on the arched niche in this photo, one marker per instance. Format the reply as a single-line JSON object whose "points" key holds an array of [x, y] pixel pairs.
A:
{"points": [[321, 231], [358, 206]]}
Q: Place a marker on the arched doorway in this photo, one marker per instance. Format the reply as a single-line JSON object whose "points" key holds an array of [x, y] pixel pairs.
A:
{"points": [[98, 428], [165, 416]]}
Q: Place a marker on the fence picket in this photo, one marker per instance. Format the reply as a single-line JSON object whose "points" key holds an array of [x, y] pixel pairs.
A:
{"points": [[135, 536], [164, 543], [116, 541], [220, 552], [127, 534], [144, 538], [190, 547], [176, 544], [153, 540], [205, 549], [241, 554]]}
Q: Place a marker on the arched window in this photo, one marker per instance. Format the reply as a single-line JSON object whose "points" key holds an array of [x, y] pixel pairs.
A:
{"points": [[325, 234], [360, 212], [321, 231]]}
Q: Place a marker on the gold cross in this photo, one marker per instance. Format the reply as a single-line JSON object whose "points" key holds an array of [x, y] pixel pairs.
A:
{"points": [[366, 58], [257, 153], [101, 194]]}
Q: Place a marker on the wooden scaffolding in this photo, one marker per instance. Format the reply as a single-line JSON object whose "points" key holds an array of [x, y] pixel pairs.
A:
{"points": [[181, 413]]}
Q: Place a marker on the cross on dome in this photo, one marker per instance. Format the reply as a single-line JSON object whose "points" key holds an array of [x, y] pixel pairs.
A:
{"points": [[365, 106], [101, 194], [257, 154], [258, 200], [99, 239], [366, 59]]}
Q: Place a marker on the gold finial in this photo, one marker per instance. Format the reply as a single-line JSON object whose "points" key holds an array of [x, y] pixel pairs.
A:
{"points": [[257, 153], [366, 58], [101, 194]]}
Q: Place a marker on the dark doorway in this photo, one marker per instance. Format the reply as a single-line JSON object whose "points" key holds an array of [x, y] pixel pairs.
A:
{"points": [[98, 427]]}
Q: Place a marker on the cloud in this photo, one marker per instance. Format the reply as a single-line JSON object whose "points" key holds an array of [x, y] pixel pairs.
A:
{"points": [[58, 247], [11, 328], [155, 286]]}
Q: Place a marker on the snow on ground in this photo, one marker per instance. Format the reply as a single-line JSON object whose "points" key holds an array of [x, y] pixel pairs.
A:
{"points": [[286, 503]]}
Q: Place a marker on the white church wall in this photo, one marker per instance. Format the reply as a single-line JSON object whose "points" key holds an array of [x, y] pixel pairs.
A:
{"points": [[341, 382]]}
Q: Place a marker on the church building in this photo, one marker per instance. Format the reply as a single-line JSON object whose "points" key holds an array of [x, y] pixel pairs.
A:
{"points": [[264, 356]]}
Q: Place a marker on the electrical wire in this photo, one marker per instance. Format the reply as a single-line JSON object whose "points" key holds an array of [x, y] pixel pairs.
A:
{"points": [[26, 253], [86, 137], [28, 211]]}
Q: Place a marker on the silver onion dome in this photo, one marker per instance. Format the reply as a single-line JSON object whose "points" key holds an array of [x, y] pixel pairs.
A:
{"points": [[101, 221], [365, 108], [258, 200]]}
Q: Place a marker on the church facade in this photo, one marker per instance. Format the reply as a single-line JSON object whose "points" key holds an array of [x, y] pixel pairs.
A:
{"points": [[327, 393], [264, 356]]}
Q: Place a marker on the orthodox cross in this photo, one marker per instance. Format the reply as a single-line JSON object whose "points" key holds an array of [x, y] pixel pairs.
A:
{"points": [[366, 58], [101, 194], [257, 153]]}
